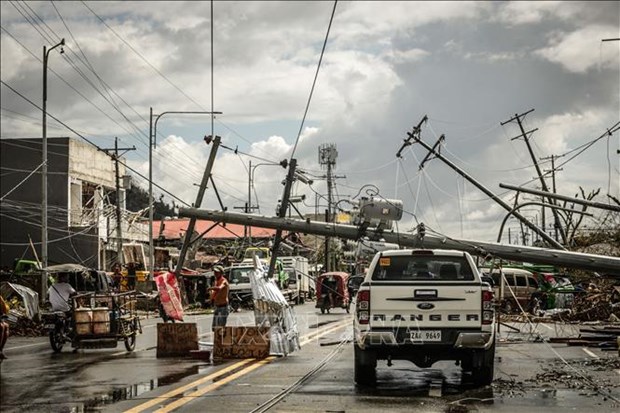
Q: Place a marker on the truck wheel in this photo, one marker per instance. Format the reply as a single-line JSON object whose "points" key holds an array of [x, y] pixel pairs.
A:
{"points": [[482, 375], [365, 367]]}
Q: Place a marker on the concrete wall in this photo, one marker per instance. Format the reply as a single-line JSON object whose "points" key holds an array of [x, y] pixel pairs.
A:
{"points": [[88, 164], [20, 218]]}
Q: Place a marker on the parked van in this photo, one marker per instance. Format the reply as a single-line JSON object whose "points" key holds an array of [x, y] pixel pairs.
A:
{"points": [[521, 282]]}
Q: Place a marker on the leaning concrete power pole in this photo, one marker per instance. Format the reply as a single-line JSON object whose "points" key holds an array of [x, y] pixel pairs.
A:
{"points": [[327, 158], [415, 135], [290, 177], [201, 192], [543, 184]]}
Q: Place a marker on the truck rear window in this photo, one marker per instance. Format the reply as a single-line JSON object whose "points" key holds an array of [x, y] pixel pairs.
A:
{"points": [[423, 268], [239, 275]]}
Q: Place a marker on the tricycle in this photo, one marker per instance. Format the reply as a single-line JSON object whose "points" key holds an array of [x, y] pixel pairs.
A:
{"points": [[95, 321], [332, 291]]}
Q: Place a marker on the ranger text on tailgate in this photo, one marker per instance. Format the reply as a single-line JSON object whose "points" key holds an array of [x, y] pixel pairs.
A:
{"points": [[424, 306]]}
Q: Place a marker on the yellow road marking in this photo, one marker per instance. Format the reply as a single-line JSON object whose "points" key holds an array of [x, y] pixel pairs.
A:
{"points": [[181, 389], [186, 399], [317, 334]]}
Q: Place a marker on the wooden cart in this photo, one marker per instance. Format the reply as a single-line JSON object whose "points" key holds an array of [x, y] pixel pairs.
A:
{"points": [[102, 320]]}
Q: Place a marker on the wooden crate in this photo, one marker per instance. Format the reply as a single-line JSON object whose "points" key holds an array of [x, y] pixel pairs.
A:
{"points": [[176, 339], [240, 342]]}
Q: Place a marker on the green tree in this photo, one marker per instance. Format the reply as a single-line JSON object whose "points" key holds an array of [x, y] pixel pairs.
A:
{"points": [[138, 198]]}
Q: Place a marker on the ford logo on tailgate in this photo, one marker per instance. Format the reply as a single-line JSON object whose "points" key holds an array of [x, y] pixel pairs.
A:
{"points": [[426, 306]]}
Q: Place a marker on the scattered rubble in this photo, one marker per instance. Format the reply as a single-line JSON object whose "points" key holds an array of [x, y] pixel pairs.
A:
{"points": [[508, 388], [575, 374], [22, 326], [597, 302], [595, 306]]}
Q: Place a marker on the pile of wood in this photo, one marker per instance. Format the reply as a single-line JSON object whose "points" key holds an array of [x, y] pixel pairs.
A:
{"points": [[595, 306]]}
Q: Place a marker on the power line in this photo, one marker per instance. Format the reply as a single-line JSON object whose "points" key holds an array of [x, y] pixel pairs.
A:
{"points": [[182, 165], [142, 57], [316, 75], [88, 141], [169, 154]]}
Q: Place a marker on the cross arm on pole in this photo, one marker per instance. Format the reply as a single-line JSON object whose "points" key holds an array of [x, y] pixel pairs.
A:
{"points": [[412, 135]]}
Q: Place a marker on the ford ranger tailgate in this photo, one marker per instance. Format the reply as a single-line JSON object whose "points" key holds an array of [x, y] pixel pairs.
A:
{"points": [[423, 305]]}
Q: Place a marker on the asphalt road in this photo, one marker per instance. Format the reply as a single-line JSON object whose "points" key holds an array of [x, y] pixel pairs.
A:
{"points": [[531, 376]]}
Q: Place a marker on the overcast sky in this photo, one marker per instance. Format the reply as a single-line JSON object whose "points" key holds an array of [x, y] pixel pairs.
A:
{"points": [[468, 66]]}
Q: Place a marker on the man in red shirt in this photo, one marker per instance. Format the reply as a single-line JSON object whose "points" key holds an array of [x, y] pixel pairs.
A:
{"points": [[219, 297]]}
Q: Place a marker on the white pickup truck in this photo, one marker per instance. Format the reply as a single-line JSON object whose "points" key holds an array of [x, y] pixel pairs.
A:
{"points": [[424, 306]]}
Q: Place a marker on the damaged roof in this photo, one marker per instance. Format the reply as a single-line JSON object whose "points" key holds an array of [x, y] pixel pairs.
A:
{"points": [[174, 229]]}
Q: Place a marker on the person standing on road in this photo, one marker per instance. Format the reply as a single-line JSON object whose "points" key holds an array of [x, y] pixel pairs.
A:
{"points": [[219, 298], [117, 276], [131, 276]]}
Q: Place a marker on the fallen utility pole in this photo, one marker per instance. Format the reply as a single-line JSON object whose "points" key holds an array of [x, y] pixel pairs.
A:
{"points": [[585, 202], [576, 260], [543, 184], [415, 136]]}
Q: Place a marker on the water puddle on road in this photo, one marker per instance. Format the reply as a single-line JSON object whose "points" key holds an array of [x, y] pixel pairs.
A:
{"points": [[135, 390]]}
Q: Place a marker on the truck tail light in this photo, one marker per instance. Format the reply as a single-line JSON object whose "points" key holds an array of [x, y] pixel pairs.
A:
{"points": [[362, 307], [487, 307]]}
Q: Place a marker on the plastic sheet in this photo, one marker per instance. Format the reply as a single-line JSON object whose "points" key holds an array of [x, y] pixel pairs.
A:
{"points": [[28, 296], [272, 310], [169, 294]]}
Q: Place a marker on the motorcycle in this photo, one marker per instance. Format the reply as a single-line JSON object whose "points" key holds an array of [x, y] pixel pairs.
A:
{"points": [[332, 291], [241, 300], [108, 319], [59, 327]]}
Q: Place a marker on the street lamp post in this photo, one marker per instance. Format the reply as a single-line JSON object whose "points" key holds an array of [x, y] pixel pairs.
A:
{"points": [[44, 254], [152, 143], [251, 170]]}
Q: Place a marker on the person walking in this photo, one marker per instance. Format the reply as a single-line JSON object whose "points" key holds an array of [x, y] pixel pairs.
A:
{"points": [[219, 298]]}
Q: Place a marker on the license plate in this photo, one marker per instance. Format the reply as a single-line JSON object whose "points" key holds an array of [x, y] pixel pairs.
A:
{"points": [[49, 326], [426, 335]]}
